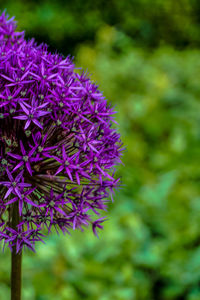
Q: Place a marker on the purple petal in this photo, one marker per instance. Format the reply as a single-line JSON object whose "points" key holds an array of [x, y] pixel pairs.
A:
{"points": [[28, 122], [29, 168], [18, 165], [21, 117], [9, 175], [37, 123], [9, 191], [16, 156], [24, 108], [22, 148]]}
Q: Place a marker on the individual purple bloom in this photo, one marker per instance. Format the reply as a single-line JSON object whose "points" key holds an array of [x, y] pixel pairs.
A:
{"points": [[32, 113], [39, 144], [20, 238], [14, 185], [58, 146], [66, 163], [62, 224], [52, 205], [23, 199], [25, 159], [10, 98]]}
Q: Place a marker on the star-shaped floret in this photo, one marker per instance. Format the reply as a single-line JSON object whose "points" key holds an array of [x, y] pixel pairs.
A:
{"points": [[32, 113], [25, 159], [15, 184]]}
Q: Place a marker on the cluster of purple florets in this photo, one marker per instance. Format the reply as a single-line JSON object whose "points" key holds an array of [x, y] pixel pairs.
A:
{"points": [[57, 145]]}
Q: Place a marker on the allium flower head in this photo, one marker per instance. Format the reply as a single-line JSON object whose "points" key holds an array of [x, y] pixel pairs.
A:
{"points": [[58, 148]]}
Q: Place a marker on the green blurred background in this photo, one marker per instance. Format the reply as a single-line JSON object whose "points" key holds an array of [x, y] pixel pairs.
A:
{"points": [[145, 56]]}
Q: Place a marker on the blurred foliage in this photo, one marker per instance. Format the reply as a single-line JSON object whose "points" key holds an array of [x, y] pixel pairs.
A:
{"points": [[63, 24], [150, 247]]}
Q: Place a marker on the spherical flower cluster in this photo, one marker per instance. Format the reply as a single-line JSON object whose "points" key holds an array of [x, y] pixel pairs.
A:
{"points": [[58, 148]]}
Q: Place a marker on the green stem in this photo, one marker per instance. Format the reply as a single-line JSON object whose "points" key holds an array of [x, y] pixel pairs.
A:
{"points": [[16, 261]]}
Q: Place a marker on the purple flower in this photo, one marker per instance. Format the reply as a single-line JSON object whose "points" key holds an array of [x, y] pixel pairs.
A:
{"points": [[24, 159], [31, 113], [14, 184], [58, 147], [52, 204], [23, 199]]}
